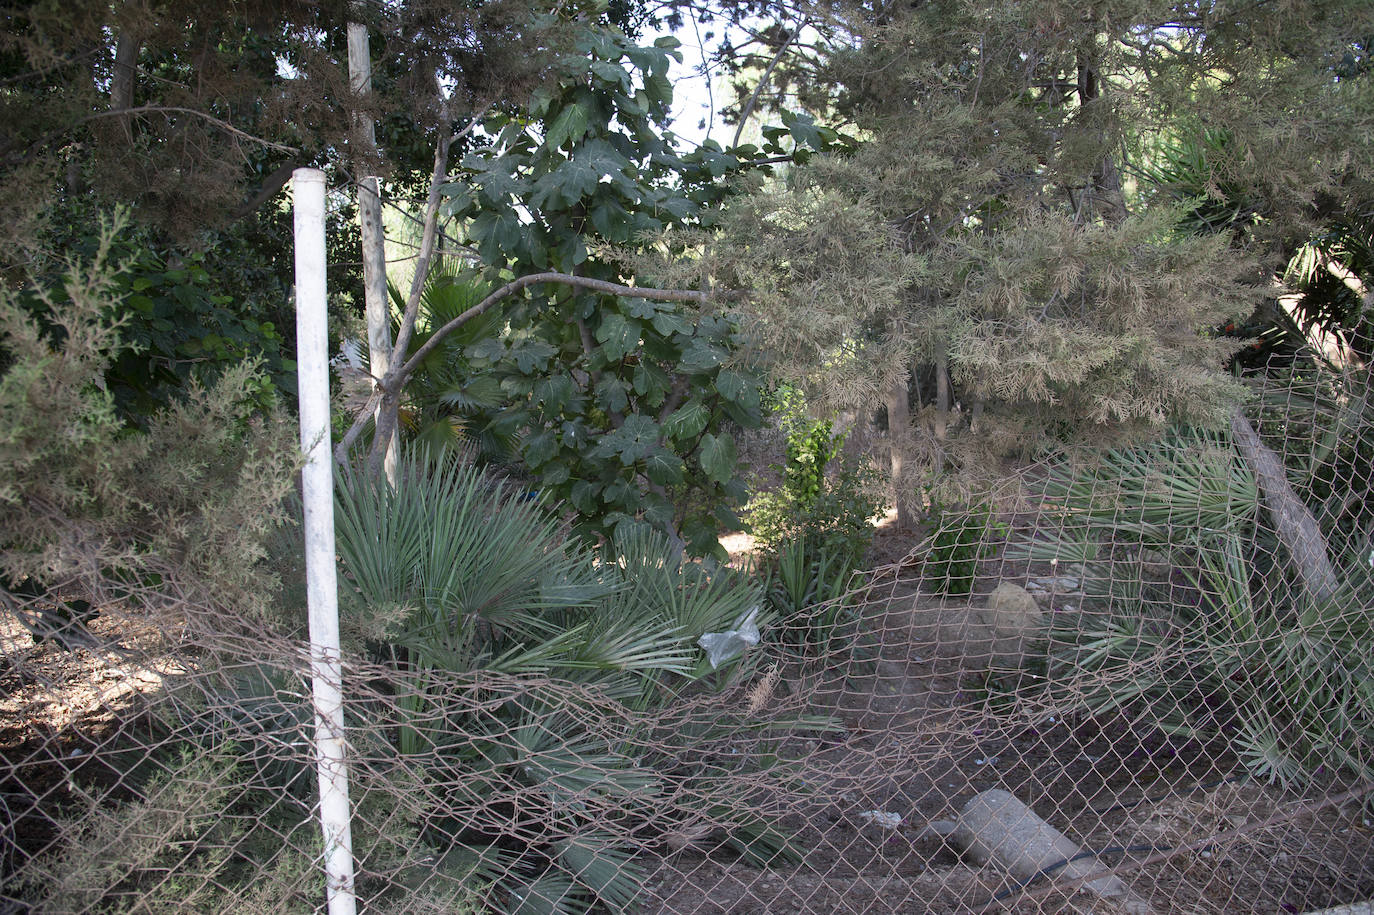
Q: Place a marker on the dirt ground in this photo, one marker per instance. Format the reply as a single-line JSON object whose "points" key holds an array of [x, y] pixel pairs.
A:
{"points": [[1181, 824], [921, 736]]}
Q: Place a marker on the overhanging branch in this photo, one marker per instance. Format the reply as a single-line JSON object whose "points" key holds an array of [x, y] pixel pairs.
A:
{"points": [[394, 380], [165, 109]]}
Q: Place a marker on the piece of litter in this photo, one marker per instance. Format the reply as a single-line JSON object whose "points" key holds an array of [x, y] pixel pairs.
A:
{"points": [[985, 762], [722, 647], [883, 818]]}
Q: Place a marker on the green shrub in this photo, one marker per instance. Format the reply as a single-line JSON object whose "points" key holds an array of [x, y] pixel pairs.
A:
{"points": [[960, 536], [1221, 644], [196, 837], [180, 509]]}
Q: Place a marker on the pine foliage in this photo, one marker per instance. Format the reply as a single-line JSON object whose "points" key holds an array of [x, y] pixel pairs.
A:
{"points": [[1004, 226], [179, 515]]}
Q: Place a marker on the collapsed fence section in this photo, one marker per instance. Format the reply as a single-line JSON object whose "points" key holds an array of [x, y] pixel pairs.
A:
{"points": [[1117, 691]]}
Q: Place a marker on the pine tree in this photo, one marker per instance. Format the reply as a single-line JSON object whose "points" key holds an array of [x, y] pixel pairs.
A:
{"points": [[995, 254]]}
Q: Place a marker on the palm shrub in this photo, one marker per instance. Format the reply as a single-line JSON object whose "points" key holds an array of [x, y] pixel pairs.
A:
{"points": [[526, 671], [1191, 623], [449, 404], [813, 530], [960, 538]]}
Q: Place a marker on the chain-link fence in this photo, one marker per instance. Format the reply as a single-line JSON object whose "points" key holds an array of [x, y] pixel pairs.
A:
{"points": [[1142, 684]]}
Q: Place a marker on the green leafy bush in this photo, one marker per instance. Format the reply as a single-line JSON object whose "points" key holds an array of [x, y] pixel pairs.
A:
{"points": [[176, 322], [827, 501], [960, 537], [620, 407], [165, 526], [193, 838], [812, 532]]}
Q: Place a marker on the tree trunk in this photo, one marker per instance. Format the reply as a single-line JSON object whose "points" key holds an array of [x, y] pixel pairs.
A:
{"points": [[943, 400], [898, 434], [388, 413], [1294, 524], [373, 234], [1105, 197], [123, 77], [125, 69]]}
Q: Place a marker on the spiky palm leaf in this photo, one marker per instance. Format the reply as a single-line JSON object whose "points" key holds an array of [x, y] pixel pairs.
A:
{"points": [[448, 402], [456, 580], [450, 545]]}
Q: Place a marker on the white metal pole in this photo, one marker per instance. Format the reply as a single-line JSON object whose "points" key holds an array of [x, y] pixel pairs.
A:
{"points": [[326, 671]]}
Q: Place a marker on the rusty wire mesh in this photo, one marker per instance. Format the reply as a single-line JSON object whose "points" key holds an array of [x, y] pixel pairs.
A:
{"points": [[1139, 660]]}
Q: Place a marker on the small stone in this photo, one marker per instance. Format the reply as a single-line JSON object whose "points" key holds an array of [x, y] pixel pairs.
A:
{"points": [[883, 818], [1012, 611]]}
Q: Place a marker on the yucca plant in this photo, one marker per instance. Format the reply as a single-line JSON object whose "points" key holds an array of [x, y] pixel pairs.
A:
{"points": [[810, 589], [452, 580], [1221, 643]]}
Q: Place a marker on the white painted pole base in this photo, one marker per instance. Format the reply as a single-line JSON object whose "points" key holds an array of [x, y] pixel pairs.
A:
{"points": [[317, 477]]}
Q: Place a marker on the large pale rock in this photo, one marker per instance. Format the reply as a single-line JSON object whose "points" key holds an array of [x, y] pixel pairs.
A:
{"points": [[997, 634], [1012, 612]]}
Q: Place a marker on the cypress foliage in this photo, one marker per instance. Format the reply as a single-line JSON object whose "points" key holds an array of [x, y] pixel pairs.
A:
{"points": [[1001, 247]]}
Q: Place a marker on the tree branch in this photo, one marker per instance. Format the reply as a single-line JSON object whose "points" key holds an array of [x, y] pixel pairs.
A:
{"points": [[567, 279], [748, 108], [1294, 525], [164, 109], [359, 424], [427, 240], [390, 385], [270, 186]]}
